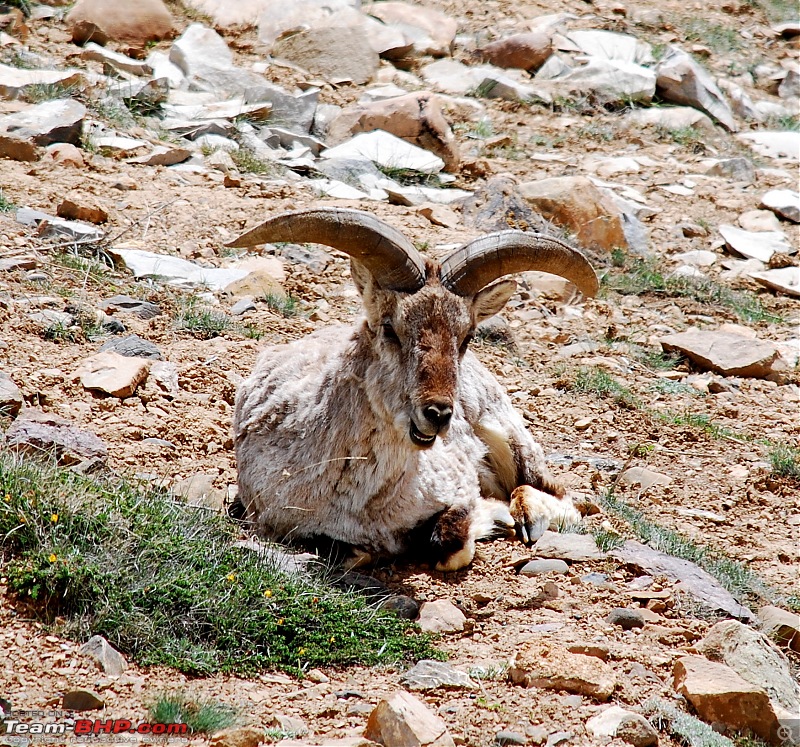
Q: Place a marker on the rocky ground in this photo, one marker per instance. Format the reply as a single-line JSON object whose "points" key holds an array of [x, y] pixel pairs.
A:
{"points": [[667, 152]]}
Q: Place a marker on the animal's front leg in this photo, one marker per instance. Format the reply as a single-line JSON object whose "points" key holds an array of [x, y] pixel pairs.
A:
{"points": [[534, 511]]}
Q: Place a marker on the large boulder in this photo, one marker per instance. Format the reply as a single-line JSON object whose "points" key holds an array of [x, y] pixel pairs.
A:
{"points": [[579, 206], [416, 118], [431, 32], [405, 721], [23, 134], [131, 24]]}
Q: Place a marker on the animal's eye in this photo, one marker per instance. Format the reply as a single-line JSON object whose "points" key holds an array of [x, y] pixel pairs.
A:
{"points": [[465, 343], [389, 333]]}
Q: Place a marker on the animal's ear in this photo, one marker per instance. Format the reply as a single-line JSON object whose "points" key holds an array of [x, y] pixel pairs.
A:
{"points": [[360, 274], [491, 299]]}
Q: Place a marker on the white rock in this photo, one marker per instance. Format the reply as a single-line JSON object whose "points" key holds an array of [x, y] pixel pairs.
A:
{"points": [[441, 616], [760, 245], [116, 60], [784, 280], [228, 15], [670, 118], [612, 46], [280, 17], [781, 144], [15, 81], [682, 80], [783, 202], [388, 151], [758, 221], [420, 195], [687, 271], [697, 258], [176, 271], [606, 725], [119, 144], [608, 81], [163, 68], [341, 191], [608, 167]]}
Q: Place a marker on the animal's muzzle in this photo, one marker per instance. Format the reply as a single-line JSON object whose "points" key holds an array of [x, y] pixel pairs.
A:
{"points": [[434, 421]]}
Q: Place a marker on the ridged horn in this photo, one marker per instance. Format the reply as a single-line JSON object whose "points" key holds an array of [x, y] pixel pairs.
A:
{"points": [[384, 251], [484, 260]]}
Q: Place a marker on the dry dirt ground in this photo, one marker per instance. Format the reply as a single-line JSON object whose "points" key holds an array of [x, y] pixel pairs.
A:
{"points": [[194, 214]]}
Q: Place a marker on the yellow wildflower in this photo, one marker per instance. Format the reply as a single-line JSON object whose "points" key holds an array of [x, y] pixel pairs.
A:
{"points": [[54, 518], [268, 593], [52, 558]]}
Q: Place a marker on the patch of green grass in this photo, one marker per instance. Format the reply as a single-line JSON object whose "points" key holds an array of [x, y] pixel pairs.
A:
{"points": [[165, 584], [39, 92], [204, 323], [6, 206], [201, 716], [248, 162], [783, 122], [719, 38], [60, 332], [686, 729], [287, 306], [785, 460], [700, 421], [737, 578], [666, 386], [595, 380], [409, 177], [645, 276], [489, 672], [607, 540], [111, 110], [687, 137]]}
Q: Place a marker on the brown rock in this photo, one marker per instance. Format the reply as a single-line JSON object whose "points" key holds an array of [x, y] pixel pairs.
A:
{"points": [[718, 694], [416, 118], [499, 205], [576, 204], [112, 373], [441, 616], [523, 51], [81, 700], [405, 721], [724, 352], [438, 215], [40, 432], [72, 211], [780, 625], [133, 24], [543, 664], [242, 736], [67, 154]]}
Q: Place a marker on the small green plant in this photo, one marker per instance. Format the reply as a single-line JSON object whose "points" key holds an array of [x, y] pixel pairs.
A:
{"points": [[783, 122], [409, 177], [785, 460], [276, 734], [595, 380], [6, 206], [489, 672], [196, 601], [287, 306], [665, 386], [248, 162], [60, 332], [111, 110], [482, 90], [39, 92], [201, 716], [595, 131], [607, 540], [203, 323], [618, 257], [687, 137]]}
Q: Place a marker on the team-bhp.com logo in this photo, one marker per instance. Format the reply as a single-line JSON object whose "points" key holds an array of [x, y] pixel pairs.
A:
{"points": [[92, 728]]}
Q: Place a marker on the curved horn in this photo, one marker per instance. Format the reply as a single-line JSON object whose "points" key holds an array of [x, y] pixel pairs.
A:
{"points": [[384, 251], [489, 257]]}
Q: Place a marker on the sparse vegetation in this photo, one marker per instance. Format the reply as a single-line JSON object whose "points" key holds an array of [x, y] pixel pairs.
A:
{"points": [[409, 177], [6, 206], [719, 38], [201, 716], [284, 305], [597, 381], [783, 122], [688, 137], [607, 540], [39, 92], [686, 729], [248, 162], [645, 276], [737, 578], [196, 602], [203, 323], [785, 460]]}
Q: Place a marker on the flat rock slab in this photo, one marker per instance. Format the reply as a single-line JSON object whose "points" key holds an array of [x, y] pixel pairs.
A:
{"points": [[430, 675], [15, 82], [574, 547], [132, 346], [783, 280], [23, 134], [543, 664], [629, 726], [784, 203], [113, 373], [388, 151], [82, 700], [128, 305], [774, 144], [38, 433], [760, 245], [692, 579], [724, 352]]}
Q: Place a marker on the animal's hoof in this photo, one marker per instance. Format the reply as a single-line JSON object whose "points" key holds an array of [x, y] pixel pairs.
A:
{"points": [[532, 512]]}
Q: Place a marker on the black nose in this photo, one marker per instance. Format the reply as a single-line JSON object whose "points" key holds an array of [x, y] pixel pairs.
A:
{"points": [[438, 414]]}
